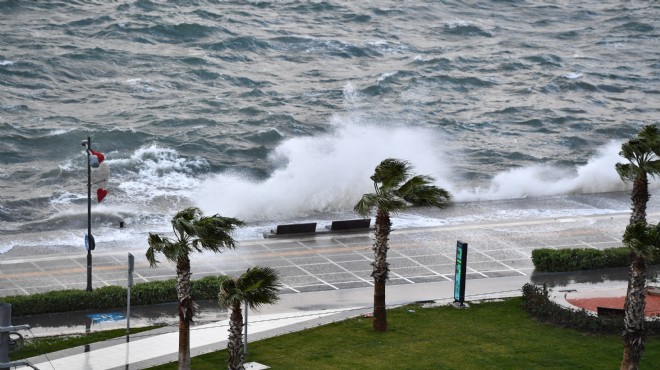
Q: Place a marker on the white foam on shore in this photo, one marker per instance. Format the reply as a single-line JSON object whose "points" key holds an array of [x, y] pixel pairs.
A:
{"points": [[597, 176], [330, 172]]}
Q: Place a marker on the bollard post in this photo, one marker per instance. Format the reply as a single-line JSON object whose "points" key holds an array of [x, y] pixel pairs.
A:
{"points": [[5, 328], [5, 322], [129, 284]]}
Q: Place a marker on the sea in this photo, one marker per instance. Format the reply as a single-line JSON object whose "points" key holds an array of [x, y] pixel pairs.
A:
{"points": [[278, 111]]}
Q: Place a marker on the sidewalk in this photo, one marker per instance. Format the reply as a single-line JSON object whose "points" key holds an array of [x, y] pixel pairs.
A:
{"points": [[327, 278], [293, 313]]}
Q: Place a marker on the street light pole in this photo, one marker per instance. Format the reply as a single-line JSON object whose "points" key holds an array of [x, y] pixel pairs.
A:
{"points": [[89, 240]]}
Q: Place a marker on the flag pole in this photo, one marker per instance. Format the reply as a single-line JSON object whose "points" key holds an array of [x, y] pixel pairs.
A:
{"points": [[90, 238]]}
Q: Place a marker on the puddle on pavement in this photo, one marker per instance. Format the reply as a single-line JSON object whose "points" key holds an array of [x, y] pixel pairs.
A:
{"points": [[81, 322], [602, 278]]}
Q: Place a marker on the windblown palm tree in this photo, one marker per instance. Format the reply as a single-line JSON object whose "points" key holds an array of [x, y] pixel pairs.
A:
{"points": [[394, 190], [642, 154], [192, 232], [256, 287]]}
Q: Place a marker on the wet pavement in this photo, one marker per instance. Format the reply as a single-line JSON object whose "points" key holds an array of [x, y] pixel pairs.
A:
{"points": [[342, 261], [98, 320], [326, 277]]}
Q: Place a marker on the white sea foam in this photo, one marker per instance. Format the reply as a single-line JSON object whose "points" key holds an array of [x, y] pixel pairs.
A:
{"points": [[6, 62], [572, 76], [66, 197], [458, 23], [387, 75], [59, 132], [154, 171], [330, 172], [597, 176], [323, 173]]}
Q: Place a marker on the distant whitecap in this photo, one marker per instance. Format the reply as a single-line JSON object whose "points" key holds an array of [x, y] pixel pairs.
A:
{"points": [[572, 76]]}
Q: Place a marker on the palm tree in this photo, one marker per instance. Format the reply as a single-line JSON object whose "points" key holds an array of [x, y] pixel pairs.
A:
{"points": [[642, 154], [192, 232], [257, 286], [395, 189], [644, 243]]}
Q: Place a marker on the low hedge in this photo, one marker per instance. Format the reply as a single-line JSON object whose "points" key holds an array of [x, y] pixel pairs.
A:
{"points": [[153, 292], [536, 301], [576, 259]]}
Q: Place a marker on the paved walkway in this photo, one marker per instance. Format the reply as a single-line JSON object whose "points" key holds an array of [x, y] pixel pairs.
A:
{"points": [[326, 278], [333, 262]]}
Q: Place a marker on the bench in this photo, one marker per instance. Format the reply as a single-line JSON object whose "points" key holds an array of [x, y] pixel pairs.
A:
{"points": [[306, 228], [606, 311], [347, 225]]}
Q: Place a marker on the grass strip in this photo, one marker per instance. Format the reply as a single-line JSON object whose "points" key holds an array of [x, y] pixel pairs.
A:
{"points": [[39, 346], [492, 335]]}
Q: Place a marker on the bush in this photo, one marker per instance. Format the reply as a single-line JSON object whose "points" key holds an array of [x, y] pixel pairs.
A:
{"points": [[153, 292], [536, 301], [208, 287], [561, 260]]}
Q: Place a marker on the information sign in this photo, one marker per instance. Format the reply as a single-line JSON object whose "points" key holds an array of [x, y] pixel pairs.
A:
{"points": [[461, 268]]}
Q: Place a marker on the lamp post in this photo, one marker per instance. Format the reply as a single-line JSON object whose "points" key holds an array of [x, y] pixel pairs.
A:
{"points": [[89, 239]]}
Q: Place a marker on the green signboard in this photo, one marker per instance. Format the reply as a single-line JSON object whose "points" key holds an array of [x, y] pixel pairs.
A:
{"points": [[461, 268]]}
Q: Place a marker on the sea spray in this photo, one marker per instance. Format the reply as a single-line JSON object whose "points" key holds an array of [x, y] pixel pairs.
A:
{"points": [[322, 173], [598, 175], [329, 173]]}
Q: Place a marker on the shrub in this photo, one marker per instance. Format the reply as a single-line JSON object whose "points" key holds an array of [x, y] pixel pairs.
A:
{"points": [[153, 292], [575, 259], [207, 288], [536, 301]]}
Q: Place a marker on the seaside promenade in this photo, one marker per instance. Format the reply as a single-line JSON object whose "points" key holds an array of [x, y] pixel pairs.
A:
{"points": [[326, 277]]}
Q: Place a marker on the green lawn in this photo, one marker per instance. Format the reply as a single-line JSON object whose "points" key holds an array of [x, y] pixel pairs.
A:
{"points": [[494, 335]]}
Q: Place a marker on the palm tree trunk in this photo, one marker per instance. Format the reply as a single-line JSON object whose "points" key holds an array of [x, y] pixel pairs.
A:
{"points": [[184, 345], [380, 269], [634, 336], [186, 309], [640, 197], [235, 342]]}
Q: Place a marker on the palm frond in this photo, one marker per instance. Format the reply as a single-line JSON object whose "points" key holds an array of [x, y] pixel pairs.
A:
{"points": [[261, 286], [366, 204], [429, 196], [391, 172], [157, 244], [194, 233], [643, 239], [229, 293], [649, 133], [391, 203], [653, 167], [627, 172], [413, 184], [398, 189], [256, 287], [642, 153]]}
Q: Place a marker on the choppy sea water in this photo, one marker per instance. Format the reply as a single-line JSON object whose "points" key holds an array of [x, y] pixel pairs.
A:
{"points": [[276, 111]]}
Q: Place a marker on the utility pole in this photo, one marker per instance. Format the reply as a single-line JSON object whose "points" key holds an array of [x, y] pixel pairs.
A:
{"points": [[89, 239]]}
